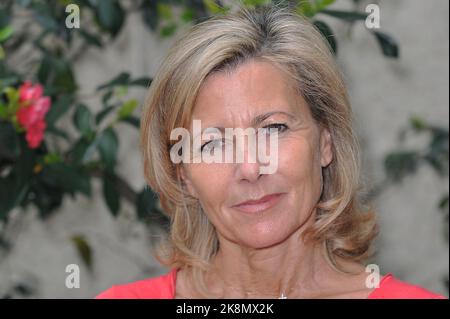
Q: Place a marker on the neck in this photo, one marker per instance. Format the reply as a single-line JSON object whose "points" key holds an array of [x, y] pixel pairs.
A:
{"points": [[292, 268]]}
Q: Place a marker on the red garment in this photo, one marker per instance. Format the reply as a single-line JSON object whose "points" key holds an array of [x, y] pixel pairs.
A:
{"points": [[163, 287]]}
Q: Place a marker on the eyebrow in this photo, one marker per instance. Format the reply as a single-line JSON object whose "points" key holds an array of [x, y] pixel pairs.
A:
{"points": [[256, 120], [262, 117]]}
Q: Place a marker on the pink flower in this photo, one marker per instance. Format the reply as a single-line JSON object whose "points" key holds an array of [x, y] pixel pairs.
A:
{"points": [[31, 113], [28, 115], [29, 92], [35, 134]]}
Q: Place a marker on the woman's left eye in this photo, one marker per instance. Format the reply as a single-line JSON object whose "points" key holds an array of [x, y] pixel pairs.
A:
{"points": [[279, 127]]}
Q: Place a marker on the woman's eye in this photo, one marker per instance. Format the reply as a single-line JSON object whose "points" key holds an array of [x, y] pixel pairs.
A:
{"points": [[208, 146], [279, 127]]}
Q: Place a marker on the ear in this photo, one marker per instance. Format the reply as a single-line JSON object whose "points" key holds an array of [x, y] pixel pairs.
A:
{"points": [[187, 181], [326, 148]]}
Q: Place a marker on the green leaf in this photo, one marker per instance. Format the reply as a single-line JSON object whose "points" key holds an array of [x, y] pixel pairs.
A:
{"points": [[57, 132], [146, 203], [13, 96], [132, 120], [328, 34], [349, 16], [47, 198], [57, 74], [400, 164], [108, 146], [144, 81], [417, 123], [103, 113], [168, 30], [51, 158], [15, 183], [84, 149], [443, 202], [5, 244], [9, 141], [5, 33], [254, 3], [45, 69], [5, 16], [188, 15], [90, 38], [111, 195], [305, 8], [106, 97], [150, 14], [14, 187], [213, 7], [110, 15], [3, 111], [8, 80], [437, 154], [66, 177], [147, 209], [388, 44], [48, 22], [164, 10], [120, 91], [83, 119], [322, 4], [64, 80], [439, 141], [12, 192], [127, 108], [84, 250], [122, 79], [59, 108]]}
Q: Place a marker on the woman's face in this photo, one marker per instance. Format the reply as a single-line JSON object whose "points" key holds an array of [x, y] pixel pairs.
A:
{"points": [[253, 90]]}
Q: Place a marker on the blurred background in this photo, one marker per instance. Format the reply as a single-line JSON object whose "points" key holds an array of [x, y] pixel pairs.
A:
{"points": [[73, 77]]}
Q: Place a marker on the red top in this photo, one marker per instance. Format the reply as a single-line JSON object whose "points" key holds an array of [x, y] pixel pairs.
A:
{"points": [[163, 287]]}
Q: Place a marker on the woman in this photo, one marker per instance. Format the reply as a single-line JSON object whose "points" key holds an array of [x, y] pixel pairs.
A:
{"points": [[237, 230]]}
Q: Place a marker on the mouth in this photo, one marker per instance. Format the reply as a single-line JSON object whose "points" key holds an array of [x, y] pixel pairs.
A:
{"points": [[259, 205]]}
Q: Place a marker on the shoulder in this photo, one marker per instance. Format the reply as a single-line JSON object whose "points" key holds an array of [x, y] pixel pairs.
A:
{"points": [[162, 287], [393, 288]]}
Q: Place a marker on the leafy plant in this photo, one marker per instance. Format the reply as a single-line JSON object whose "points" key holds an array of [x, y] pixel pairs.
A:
{"points": [[404, 162]]}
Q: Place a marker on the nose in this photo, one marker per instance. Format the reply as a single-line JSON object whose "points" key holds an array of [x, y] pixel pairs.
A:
{"points": [[248, 168]]}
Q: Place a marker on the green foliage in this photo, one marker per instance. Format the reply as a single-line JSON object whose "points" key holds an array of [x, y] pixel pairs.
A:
{"points": [[84, 250], [401, 163], [404, 162], [388, 44]]}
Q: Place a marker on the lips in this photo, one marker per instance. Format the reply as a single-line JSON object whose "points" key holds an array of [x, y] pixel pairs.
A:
{"points": [[259, 205]]}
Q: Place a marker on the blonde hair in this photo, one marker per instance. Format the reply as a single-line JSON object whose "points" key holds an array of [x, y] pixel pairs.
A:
{"points": [[222, 43]]}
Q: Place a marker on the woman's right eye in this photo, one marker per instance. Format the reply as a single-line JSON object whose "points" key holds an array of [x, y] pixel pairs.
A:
{"points": [[275, 127], [208, 146]]}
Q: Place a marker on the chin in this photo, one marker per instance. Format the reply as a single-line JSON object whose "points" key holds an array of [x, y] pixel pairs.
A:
{"points": [[264, 236]]}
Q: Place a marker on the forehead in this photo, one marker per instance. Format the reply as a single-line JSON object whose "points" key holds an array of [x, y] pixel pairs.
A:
{"points": [[253, 88]]}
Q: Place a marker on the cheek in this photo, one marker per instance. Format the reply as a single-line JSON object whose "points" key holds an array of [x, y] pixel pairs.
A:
{"points": [[297, 158], [210, 181], [299, 163]]}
